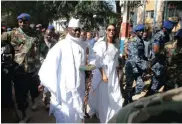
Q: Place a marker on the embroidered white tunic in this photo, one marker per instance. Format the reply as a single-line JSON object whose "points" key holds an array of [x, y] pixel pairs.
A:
{"points": [[60, 74]]}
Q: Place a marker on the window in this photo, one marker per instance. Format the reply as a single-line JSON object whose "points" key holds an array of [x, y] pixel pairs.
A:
{"points": [[172, 12], [150, 14]]}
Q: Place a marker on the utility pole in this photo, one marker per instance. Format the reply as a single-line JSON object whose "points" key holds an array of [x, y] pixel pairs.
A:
{"points": [[155, 14], [144, 1], [125, 24]]}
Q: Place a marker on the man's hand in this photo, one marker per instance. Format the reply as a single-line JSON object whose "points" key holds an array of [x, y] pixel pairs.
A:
{"points": [[40, 88]]}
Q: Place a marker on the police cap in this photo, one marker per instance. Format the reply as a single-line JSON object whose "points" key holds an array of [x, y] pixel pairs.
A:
{"points": [[168, 25], [139, 27]]}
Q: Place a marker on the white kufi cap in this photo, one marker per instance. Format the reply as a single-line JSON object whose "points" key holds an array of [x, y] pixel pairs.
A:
{"points": [[74, 23]]}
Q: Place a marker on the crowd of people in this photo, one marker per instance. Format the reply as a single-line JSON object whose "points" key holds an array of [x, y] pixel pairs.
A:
{"points": [[79, 70]]}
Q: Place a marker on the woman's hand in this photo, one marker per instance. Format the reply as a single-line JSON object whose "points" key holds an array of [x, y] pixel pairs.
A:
{"points": [[104, 78]]}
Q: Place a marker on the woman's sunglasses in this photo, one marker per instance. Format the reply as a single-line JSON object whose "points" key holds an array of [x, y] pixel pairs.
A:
{"points": [[111, 30]]}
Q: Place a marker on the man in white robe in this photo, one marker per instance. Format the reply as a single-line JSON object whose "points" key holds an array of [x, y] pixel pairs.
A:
{"points": [[61, 75]]}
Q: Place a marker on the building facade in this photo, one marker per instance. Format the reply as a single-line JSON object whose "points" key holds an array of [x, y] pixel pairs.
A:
{"points": [[153, 12]]}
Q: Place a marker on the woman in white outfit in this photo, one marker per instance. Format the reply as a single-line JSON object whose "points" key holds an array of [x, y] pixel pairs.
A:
{"points": [[105, 90]]}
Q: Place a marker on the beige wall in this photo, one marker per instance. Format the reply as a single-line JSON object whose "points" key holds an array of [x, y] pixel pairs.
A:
{"points": [[150, 5]]}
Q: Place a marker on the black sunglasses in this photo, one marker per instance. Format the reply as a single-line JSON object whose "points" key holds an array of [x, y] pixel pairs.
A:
{"points": [[110, 30]]}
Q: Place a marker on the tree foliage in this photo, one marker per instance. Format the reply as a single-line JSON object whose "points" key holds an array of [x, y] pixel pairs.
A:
{"points": [[45, 11]]}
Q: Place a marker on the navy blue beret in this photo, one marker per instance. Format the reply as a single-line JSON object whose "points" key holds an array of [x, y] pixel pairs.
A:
{"points": [[168, 25], [139, 27], [24, 16]]}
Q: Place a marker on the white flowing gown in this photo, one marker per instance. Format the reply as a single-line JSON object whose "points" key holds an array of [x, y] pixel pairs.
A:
{"points": [[105, 98]]}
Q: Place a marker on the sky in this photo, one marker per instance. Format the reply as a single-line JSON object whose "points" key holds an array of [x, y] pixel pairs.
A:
{"points": [[112, 2]]}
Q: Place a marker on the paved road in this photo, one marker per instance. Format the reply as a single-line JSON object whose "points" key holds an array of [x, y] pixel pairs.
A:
{"points": [[41, 115]]}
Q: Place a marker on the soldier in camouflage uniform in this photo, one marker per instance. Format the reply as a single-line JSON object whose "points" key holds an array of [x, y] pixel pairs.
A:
{"points": [[173, 52], [27, 57], [40, 36], [48, 42], [135, 64], [45, 46]]}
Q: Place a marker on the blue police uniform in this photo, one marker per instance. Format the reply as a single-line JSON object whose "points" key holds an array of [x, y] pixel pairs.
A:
{"points": [[162, 37], [136, 64], [158, 68]]}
